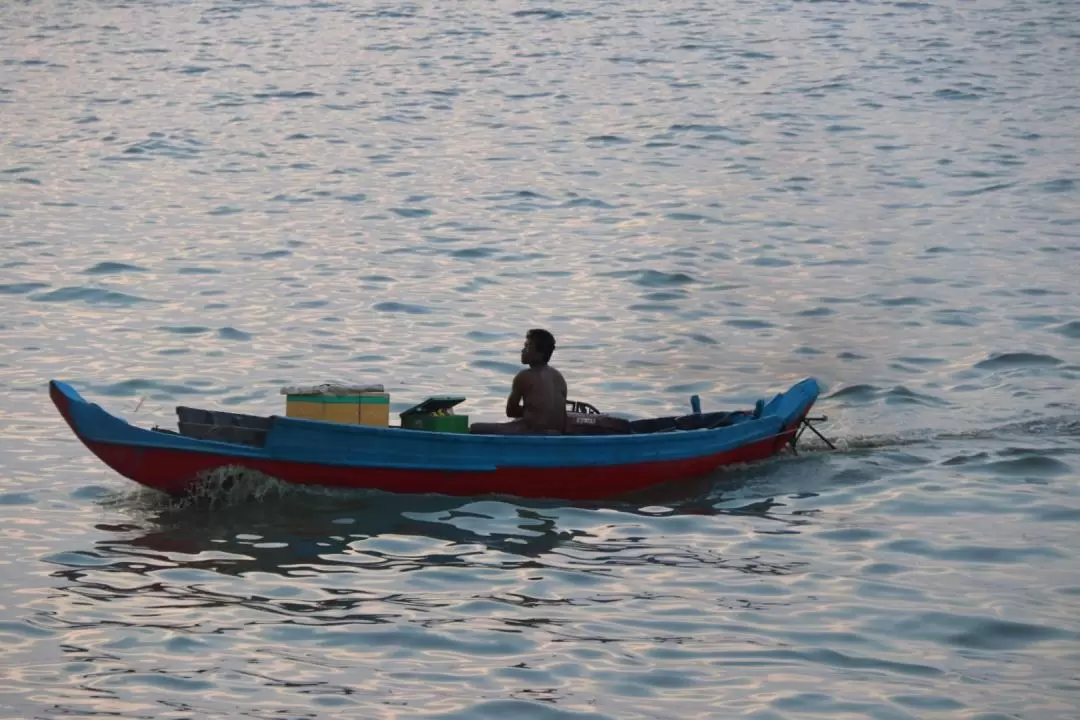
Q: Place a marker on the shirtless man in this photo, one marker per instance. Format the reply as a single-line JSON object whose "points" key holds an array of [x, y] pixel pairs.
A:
{"points": [[537, 399]]}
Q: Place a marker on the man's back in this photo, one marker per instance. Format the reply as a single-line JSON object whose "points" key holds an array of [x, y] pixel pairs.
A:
{"points": [[544, 398]]}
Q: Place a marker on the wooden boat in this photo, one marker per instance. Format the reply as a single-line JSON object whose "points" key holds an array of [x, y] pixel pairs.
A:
{"points": [[309, 452]]}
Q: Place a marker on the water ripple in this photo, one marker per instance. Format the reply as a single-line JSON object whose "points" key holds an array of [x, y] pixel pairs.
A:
{"points": [[224, 198]]}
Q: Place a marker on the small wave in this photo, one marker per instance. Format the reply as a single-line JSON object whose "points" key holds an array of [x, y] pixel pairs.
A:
{"points": [[112, 268], [287, 95], [819, 311], [749, 324], [282, 197], [866, 394], [904, 301], [721, 137], [657, 279], [608, 140], [268, 255], [1004, 361], [543, 13], [981, 190], [698, 127], [91, 296], [473, 253], [690, 217], [411, 212], [17, 498], [21, 288], [231, 333], [914, 360], [396, 307], [664, 296], [999, 635], [770, 262], [521, 257], [953, 94], [1056, 186], [223, 210], [157, 146], [1070, 329], [1031, 464], [184, 329], [587, 202], [1041, 292]]}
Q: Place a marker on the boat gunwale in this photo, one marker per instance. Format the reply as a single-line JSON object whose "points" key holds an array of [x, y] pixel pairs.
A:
{"points": [[285, 440]]}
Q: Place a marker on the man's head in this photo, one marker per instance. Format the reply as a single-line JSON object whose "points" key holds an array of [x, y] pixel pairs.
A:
{"points": [[539, 345]]}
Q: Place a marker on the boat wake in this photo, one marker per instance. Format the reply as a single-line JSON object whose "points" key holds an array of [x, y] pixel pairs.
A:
{"points": [[1053, 427], [225, 487], [232, 485]]}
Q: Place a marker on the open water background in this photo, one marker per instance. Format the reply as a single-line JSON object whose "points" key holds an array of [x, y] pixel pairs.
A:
{"points": [[202, 201]]}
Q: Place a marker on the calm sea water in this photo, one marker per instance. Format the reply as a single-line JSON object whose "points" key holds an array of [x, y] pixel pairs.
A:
{"points": [[202, 201]]}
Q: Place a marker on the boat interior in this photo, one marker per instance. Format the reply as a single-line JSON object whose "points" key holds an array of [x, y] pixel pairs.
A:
{"points": [[582, 419]]}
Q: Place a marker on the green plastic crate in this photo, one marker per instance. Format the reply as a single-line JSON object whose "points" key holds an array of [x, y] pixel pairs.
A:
{"points": [[422, 416], [437, 423]]}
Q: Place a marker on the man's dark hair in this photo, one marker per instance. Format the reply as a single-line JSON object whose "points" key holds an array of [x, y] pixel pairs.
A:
{"points": [[543, 341]]}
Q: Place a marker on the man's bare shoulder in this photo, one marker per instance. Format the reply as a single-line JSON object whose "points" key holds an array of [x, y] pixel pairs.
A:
{"points": [[558, 378]]}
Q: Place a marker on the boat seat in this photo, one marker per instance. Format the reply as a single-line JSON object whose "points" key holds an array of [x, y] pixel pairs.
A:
{"points": [[224, 433], [653, 425], [704, 421], [221, 418]]}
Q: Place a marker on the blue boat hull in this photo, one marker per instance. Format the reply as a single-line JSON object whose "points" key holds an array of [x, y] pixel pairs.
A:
{"points": [[355, 456]]}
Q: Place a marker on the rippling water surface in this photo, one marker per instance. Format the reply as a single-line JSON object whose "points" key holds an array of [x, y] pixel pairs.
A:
{"points": [[202, 201]]}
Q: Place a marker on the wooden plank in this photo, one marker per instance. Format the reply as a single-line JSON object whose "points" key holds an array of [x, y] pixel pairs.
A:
{"points": [[224, 433], [219, 417]]}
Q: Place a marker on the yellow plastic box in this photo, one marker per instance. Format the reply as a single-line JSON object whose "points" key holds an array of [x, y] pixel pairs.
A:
{"points": [[343, 406]]}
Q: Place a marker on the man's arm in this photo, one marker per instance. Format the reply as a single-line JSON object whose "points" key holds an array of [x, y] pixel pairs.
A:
{"points": [[514, 408]]}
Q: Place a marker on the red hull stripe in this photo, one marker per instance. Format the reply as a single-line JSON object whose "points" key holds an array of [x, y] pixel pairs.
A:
{"points": [[174, 471]]}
